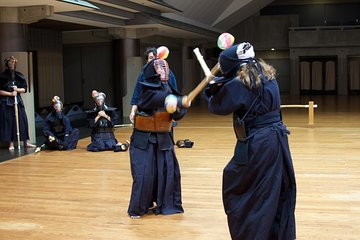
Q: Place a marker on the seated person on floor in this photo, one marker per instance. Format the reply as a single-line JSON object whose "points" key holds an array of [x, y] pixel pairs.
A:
{"points": [[57, 130], [101, 119]]}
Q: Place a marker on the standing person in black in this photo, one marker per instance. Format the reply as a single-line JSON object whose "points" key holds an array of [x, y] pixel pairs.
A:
{"points": [[154, 166], [57, 130], [150, 54], [259, 189], [12, 84]]}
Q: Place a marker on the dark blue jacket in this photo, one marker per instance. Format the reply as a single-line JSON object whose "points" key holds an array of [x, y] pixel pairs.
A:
{"points": [[6, 82], [56, 127]]}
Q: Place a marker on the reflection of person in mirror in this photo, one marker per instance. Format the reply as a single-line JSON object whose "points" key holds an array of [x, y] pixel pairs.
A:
{"points": [[12, 84]]}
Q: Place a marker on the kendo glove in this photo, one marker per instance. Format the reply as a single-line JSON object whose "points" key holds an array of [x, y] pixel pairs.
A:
{"points": [[172, 103], [215, 85]]}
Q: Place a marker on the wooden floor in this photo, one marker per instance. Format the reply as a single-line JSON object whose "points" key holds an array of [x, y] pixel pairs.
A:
{"points": [[81, 195]]}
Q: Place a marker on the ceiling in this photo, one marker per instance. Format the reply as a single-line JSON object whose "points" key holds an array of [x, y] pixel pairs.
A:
{"points": [[186, 19]]}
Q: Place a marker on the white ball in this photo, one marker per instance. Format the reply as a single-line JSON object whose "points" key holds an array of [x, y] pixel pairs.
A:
{"points": [[171, 103]]}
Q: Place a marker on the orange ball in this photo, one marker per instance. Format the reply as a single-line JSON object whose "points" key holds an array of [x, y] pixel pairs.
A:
{"points": [[162, 52]]}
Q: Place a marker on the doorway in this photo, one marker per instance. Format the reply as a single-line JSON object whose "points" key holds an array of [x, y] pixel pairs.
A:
{"points": [[87, 68], [318, 75]]}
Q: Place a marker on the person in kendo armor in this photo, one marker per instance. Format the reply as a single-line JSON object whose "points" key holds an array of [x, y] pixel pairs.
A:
{"points": [[259, 188], [154, 166], [149, 54], [58, 131], [12, 84], [101, 120]]}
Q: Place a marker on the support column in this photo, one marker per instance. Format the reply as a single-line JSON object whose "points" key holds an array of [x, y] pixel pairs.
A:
{"points": [[127, 58], [13, 42], [13, 37], [342, 80], [294, 73], [13, 25]]}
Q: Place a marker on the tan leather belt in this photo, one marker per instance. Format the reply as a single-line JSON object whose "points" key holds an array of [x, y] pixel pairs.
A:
{"points": [[159, 122]]}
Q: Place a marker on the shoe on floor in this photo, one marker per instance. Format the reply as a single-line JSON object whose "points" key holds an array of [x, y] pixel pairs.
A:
{"points": [[186, 143]]}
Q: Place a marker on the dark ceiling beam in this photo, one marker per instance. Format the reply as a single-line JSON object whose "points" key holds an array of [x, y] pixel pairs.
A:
{"points": [[94, 17], [59, 25], [164, 4], [311, 2], [241, 14], [134, 6], [113, 11], [143, 19]]}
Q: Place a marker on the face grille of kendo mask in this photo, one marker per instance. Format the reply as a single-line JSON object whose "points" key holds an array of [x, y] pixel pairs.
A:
{"points": [[99, 100], [162, 68], [58, 106]]}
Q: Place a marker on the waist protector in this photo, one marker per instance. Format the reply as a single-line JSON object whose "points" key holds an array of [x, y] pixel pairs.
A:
{"points": [[158, 122]]}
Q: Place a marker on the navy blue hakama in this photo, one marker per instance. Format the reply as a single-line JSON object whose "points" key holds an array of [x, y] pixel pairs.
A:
{"points": [[154, 172], [259, 188], [102, 142], [64, 142], [259, 193], [8, 123], [102, 135]]}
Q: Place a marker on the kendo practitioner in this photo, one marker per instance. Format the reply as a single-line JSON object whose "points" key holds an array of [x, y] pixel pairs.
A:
{"points": [[101, 120], [57, 130], [259, 189], [150, 54], [12, 84], [154, 166]]}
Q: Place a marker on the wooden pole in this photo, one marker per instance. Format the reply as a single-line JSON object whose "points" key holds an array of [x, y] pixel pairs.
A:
{"points": [[209, 75], [310, 106], [311, 113], [17, 120]]}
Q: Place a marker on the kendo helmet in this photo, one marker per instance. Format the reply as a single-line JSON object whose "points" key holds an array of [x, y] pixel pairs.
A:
{"points": [[233, 58], [155, 72], [57, 104], [99, 98]]}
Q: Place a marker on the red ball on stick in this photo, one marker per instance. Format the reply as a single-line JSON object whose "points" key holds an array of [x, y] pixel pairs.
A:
{"points": [[162, 52]]}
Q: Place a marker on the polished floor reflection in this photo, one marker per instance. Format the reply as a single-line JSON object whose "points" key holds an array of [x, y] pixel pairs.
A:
{"points": [[81, 195]]}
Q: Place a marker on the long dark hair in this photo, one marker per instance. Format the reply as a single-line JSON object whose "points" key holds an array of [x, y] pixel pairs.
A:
{"points": [[250, 73]]}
